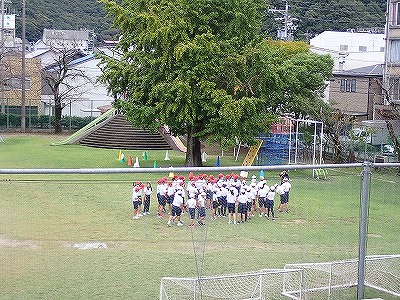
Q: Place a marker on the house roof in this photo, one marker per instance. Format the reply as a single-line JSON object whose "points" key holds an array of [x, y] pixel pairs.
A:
{"points": [[36, 53], [81, 60], [71, 35], [369, 71]]}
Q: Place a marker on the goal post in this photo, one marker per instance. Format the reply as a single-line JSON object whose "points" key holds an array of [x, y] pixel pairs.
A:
{"points": [[262, 284], [332, 280], [320, 280]]}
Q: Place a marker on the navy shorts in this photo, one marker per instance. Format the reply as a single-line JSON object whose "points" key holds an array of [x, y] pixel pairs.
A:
{"points": [[270, 204], [261, 202], [249, 205], [215, 204], [176, 211], [201, 212], [136, 204], [242, 208], [231, 208], [192, 212], [162, 200], [170, 199], [284, 198], [224, 202]]}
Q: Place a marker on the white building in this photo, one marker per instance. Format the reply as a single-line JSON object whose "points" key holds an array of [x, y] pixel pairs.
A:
{"points": [[350, 50], [88, 94]]}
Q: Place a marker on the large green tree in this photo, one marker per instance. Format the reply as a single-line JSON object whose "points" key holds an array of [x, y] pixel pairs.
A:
{"points": [[201, 67]]}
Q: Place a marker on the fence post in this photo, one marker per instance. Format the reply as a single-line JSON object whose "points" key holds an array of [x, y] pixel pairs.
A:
{"points": [[366, 174]]}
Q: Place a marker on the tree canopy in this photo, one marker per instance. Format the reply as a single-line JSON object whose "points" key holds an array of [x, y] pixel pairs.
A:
{"points": [[202, 68]]}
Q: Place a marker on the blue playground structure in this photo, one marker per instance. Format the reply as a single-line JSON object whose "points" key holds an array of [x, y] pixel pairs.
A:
{"points": [[276, 146]]}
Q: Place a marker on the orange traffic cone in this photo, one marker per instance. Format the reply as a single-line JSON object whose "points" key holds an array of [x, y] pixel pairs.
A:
{"points": [[130, 161]]}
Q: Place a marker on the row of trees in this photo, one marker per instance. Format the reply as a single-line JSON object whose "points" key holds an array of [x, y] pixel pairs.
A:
{"points": [[203, 68], [313, 16]]}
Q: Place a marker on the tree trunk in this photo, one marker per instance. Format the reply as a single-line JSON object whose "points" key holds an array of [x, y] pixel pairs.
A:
{"points": [[57, 117], [193, 153], [337, 148], [395, 140]]}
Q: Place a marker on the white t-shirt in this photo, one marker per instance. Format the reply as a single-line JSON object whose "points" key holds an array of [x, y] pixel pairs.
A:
{"points": [[178, 200], [191, 203], [271, 195], [242, 198], [201, 201], [230, 198], [280, 190], [148, 190], [263, 192], [286, 186], [162, 189]]}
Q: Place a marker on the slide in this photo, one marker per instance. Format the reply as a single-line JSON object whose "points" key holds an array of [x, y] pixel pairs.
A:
{"points": [[177, 141], [251, 155]]}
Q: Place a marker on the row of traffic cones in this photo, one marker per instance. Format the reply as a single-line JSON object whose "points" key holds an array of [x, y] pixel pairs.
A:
{"points": [[121, 158]]}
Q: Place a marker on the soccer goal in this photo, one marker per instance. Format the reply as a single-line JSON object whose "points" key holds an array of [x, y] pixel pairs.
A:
{"points": [[262, 284], [326, 280], [335, 280]]}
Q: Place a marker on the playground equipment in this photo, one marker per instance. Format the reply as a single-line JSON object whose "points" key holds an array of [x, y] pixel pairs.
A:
{"points": [[251, 155], [176, 140], [285, 144]]}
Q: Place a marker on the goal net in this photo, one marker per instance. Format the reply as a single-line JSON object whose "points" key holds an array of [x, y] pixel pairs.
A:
{"points": [[334, 280], [263, 284], [327, 280]]}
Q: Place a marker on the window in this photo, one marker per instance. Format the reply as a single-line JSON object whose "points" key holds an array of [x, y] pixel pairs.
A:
{"points": [[394, 55], [32, 110], [344, 47], [394, 90], [348, 85], [15, 83], [362, 48], [397, 14]]}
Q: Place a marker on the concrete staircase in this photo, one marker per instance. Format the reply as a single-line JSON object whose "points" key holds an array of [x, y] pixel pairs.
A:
{"points": [[117, 133]]}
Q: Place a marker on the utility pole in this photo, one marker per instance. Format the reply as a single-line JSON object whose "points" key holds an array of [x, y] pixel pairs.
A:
{"points": [[286, 33], [3, 105], [23, 125], [387, 51]]}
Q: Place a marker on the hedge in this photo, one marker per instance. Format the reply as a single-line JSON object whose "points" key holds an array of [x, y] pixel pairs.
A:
{"points": [[43, 121]]}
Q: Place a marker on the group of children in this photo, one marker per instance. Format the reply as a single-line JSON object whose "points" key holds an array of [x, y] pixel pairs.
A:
{"points": [[225, 195]]}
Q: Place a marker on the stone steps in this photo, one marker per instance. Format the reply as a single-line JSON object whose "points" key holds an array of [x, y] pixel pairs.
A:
{"points": [[117, 133]]}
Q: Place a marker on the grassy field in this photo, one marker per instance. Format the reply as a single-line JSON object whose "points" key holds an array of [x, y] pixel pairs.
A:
{"points": [[45, 218]]}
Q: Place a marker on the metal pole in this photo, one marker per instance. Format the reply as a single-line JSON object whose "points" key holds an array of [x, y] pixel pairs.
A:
{"points": [[314, 146], [297, 141], [321, 143], [387, 51], [366, 173], [290, 139], [23, 125]]}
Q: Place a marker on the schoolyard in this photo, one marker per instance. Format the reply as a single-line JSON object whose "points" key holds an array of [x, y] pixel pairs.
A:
{"points": [[73, 237]]}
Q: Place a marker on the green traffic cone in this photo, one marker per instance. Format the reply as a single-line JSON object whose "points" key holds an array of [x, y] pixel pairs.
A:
{"points": [[145, 155]]}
